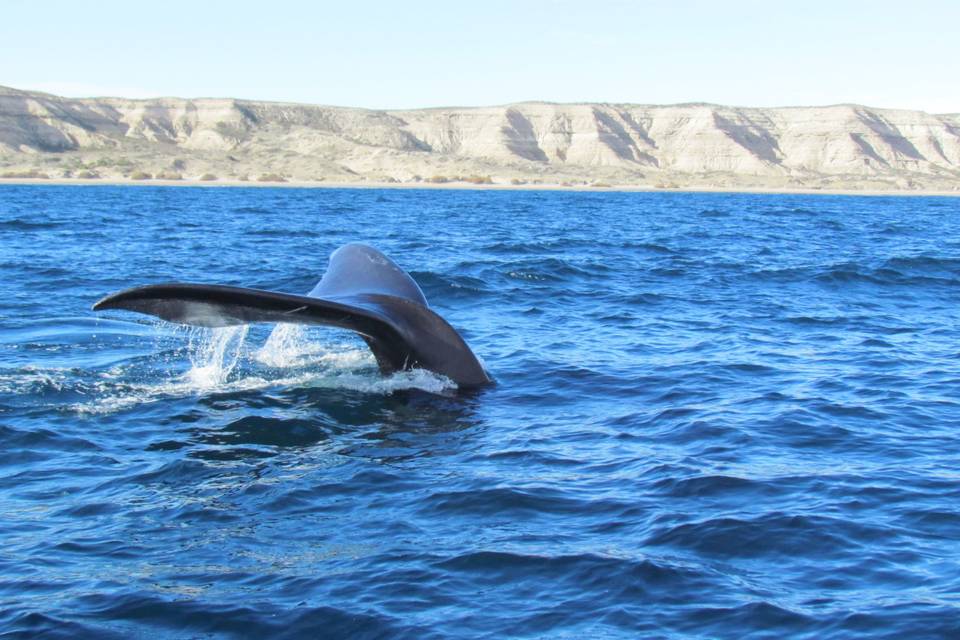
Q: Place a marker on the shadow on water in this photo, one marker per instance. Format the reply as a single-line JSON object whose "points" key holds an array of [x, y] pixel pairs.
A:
{"points": [[299, 420]]}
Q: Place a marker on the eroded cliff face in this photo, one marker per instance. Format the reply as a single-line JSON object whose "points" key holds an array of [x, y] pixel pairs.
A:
{"points": [[696, 144]]}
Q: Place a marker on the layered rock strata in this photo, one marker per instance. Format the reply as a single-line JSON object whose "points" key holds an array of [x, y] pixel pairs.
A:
{"points": [[698, 145]]}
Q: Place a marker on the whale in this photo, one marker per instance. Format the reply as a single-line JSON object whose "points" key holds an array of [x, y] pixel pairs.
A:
{"points": [[362, 290]]}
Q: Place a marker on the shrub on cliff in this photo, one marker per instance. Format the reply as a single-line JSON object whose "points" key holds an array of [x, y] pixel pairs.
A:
{"points": [[32, 173], [479, 180]]}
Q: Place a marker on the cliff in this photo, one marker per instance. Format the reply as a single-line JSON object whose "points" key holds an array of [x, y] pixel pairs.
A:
{"points": [[840, 146]]}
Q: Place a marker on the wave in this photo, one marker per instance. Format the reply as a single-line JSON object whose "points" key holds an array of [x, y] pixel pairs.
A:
{"points": [[779, 534], [19, 224], [894, 272], [176, 613]]}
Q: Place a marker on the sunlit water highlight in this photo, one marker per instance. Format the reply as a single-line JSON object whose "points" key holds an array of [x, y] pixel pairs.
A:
{"points": [[715, 416]]}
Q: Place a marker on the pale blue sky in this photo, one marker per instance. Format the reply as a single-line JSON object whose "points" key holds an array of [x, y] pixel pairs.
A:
{"points": [[419, 54]]}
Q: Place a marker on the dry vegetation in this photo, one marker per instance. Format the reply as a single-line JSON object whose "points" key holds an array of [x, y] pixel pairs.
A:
{"points": [[31, 174]]}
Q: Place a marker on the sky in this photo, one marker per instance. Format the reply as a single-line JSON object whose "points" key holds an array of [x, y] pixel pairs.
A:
{"points": [[397, 54]]}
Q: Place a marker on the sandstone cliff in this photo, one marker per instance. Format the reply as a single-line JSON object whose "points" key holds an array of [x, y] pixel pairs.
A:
{"points": [[841, 146]]}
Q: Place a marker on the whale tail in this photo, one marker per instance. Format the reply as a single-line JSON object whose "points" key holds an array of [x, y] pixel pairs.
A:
{"points": [[363, 291]]}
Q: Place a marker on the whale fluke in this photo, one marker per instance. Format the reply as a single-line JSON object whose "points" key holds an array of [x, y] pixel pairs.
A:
{"points": [[363, 291]]}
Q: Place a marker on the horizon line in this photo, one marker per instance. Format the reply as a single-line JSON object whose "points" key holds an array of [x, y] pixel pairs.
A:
{"points": [[692, 103]]}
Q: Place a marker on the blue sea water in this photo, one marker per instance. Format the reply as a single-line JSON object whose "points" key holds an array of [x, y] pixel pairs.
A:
{"points": [[715, 415]]}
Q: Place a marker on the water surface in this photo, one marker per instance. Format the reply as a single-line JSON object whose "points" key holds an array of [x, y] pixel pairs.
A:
{"points": [[715, 415]]}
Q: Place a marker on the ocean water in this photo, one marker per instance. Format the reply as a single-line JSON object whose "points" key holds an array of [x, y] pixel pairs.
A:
{"points": [[715, 415]]}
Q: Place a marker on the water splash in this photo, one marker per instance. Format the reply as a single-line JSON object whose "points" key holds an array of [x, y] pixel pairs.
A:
{"points": [[113, 396], [214, 355], [222, 361], [401, 380], [284, 348]]}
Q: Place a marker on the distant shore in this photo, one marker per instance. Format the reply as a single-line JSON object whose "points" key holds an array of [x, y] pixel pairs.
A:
{"points": [[473, 187], [590, 146]]}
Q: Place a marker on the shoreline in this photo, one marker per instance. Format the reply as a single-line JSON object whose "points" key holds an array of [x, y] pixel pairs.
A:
{"points": [[449, 186]]}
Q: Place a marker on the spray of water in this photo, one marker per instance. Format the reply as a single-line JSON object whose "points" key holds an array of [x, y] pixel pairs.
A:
{"points": [[221, 361], [285, 347], [215, 355]]}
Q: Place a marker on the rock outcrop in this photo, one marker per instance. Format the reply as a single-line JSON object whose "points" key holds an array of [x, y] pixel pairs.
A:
{"points": [[841, 146]]}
